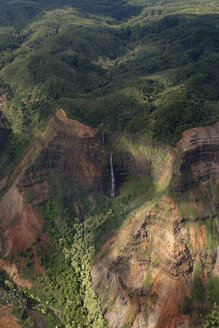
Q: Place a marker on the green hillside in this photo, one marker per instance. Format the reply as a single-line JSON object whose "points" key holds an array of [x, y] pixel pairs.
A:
{"points": [[157, 72]]}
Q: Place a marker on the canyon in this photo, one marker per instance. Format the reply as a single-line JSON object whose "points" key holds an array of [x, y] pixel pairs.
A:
{"points": [[146, 270], [144, 273]]}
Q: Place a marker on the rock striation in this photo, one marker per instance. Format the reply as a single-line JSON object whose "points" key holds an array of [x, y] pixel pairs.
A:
{"points": [[143, 273], [74, 152], [197, 155], [147, 280], [148, 269]]}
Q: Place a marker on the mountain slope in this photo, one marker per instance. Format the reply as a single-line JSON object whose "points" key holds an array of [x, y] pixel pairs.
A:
{"points": [[165, 255], [158, 72]]}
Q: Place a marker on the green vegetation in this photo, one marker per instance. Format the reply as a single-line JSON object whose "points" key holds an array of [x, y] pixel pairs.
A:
{"points": [[64, 293], [197, 290], [212, 320], [148, 279], [212, 234], [13, 152], [213, 288], [15, 297], [156, 72]]}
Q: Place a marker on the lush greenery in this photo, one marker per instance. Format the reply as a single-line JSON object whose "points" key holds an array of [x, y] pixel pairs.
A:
{"points": [[64, 294], [157, 71], [212, 320]]}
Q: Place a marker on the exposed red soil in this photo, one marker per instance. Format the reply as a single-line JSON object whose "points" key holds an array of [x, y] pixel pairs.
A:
{"points": [[79, 129], [191, 136], [37, 267], [45, 240], [170, 313], [64, 141], [7, 320], [198, 237], [60, 122], [75, 150], [12, 270], [24, 233], [197, 206], [204, 277]]}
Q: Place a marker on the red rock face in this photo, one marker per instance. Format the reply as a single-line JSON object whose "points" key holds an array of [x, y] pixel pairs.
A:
{"points": [[75, 152], [7, 319], [20, 224], [147, 270], [199, 152]]}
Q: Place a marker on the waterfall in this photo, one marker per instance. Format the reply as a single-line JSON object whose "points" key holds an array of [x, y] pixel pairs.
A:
{"points": [[112, 176], [103, 137]]}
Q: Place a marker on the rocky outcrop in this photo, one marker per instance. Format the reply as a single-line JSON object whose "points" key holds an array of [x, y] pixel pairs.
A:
{"points": [[197, 156], [146, 281], [12, 270], [74, 152], [143, 274]]}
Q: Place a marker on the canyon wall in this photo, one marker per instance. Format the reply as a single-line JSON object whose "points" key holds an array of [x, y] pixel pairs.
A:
{"points": [[145, 273], [74, 152]]}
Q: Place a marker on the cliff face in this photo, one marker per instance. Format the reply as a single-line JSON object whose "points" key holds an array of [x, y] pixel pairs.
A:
{"points": [[147, 273], [150, 267], [144, 273], [74, 151], [198, 153]]}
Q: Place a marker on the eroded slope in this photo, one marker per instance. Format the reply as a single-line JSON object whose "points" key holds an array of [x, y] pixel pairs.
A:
{"points": [[70, 148], [166, 254]]}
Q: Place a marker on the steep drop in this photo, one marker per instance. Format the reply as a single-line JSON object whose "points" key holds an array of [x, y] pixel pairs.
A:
{"points": [[145, 272]]}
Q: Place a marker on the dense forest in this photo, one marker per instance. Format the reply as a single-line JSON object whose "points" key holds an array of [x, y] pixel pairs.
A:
{"points": [[158, 70]]}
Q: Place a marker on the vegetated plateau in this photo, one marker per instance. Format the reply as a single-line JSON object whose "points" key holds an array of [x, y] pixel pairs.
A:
{"points": [[92, 91]]}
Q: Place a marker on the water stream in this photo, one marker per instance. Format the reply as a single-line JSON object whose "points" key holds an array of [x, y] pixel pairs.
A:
{"points": [[112, 177], [103, 137]]}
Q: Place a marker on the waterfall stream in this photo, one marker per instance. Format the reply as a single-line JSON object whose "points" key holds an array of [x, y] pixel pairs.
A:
{"points": [[103, 137], [112, 176]]}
